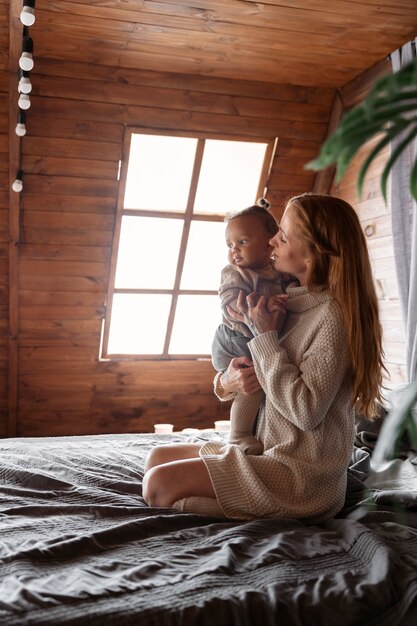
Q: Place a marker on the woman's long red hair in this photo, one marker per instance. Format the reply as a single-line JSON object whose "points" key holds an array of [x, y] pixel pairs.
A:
{"points": [[335, 238]]}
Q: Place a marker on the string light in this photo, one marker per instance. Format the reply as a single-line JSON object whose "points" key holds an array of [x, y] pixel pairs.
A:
{"points": [[26, 58], [25, 86], [27, 16], [21, 124], [24, 101], [26, 63], [18, 182]]}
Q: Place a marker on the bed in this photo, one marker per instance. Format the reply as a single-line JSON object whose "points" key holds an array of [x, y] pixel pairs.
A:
{"points": [[78, 545]]}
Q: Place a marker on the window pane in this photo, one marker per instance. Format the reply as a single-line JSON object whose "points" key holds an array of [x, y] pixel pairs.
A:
{"points": [[205, 257], [138, 323], [148, 252], [159, 172], [196, 319], [229, 176]]}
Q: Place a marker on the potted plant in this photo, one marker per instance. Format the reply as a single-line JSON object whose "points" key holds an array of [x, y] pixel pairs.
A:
{"points": [[389, 111]]}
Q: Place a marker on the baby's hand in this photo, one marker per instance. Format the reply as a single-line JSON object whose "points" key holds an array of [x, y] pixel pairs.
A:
{"points": [[275, 302], [278, 303]]}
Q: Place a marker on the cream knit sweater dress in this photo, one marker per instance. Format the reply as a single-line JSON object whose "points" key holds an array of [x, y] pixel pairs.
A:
{"points": [[306, 424]]}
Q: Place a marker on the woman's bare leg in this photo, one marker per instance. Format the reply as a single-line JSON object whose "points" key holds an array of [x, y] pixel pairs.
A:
{"points": [[164, 484], [175, 471], [171, 452]]}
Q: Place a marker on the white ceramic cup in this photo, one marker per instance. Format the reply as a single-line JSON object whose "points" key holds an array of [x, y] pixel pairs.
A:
{"points": [[163, 429], [222, 426]]}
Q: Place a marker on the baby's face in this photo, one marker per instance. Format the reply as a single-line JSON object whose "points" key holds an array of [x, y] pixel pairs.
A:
{"points": [[248, 242]]}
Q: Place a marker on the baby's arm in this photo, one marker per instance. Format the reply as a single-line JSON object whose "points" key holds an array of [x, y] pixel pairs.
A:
{"points": [[273, 302], [232, 283]]}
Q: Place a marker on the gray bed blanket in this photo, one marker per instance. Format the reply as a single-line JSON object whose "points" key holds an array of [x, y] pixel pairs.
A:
{"points": [[78, 546]]}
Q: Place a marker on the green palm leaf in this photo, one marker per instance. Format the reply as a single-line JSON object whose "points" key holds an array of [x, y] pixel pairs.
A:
{"points": [[413, 180], [371, 156], [394, 156], [389, 109], [396, 422]]}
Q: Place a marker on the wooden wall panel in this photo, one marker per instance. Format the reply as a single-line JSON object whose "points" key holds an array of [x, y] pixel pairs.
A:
{"points": [[70, 156], [375, 215], [4, 213]]}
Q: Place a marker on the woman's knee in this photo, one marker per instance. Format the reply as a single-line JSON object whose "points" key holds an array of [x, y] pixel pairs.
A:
{"points": [[155, 457], [159, 455], [166, 483], [153, 488], [147, 486]]}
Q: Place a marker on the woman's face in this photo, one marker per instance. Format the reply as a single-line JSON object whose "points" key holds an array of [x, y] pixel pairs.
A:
{"points": [[290, 253]]}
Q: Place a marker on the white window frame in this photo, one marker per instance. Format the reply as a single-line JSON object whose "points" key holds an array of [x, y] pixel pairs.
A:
{"points": [[188, 216]]}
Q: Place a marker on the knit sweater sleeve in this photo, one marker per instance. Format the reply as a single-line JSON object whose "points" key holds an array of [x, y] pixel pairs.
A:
{"points": [[232, 282], [303, 393]]}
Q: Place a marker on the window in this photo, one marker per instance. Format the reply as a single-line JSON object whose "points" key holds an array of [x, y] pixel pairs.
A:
{"points": [[169, 245]]}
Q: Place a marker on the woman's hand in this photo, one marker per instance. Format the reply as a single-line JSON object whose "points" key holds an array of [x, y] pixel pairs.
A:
{"points": [[240, 377], [258, 313]]}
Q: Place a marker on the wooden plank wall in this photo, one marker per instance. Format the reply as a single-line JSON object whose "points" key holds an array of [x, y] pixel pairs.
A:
{"points": [[70, 159], [375, 216], [4, 211]]}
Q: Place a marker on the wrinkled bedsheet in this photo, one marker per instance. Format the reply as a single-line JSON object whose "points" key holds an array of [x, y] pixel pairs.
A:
{"points": [[78, 545]]}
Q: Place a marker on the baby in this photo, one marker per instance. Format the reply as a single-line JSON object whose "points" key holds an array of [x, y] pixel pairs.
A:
{"points": [[248, 233]]}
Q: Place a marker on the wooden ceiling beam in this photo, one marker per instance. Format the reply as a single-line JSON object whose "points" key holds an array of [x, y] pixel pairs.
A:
{"points": [[346, 98], [323, 180], [355, 91]]}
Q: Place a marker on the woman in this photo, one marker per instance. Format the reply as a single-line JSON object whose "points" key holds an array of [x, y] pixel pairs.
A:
{"points": [[325, 358]]}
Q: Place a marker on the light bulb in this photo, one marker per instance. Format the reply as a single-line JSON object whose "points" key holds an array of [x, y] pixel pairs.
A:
{"points": [[27, 16], [25, 86], [26, 59], [20, 130], [21, 124], [24, 101], [17, 185]]}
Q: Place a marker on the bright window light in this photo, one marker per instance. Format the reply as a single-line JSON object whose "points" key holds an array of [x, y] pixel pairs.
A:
{"points": [[229, 176], [206, 256], [196, 320], [139, 323], [159, 172], [165, 259], [148, 252]]}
